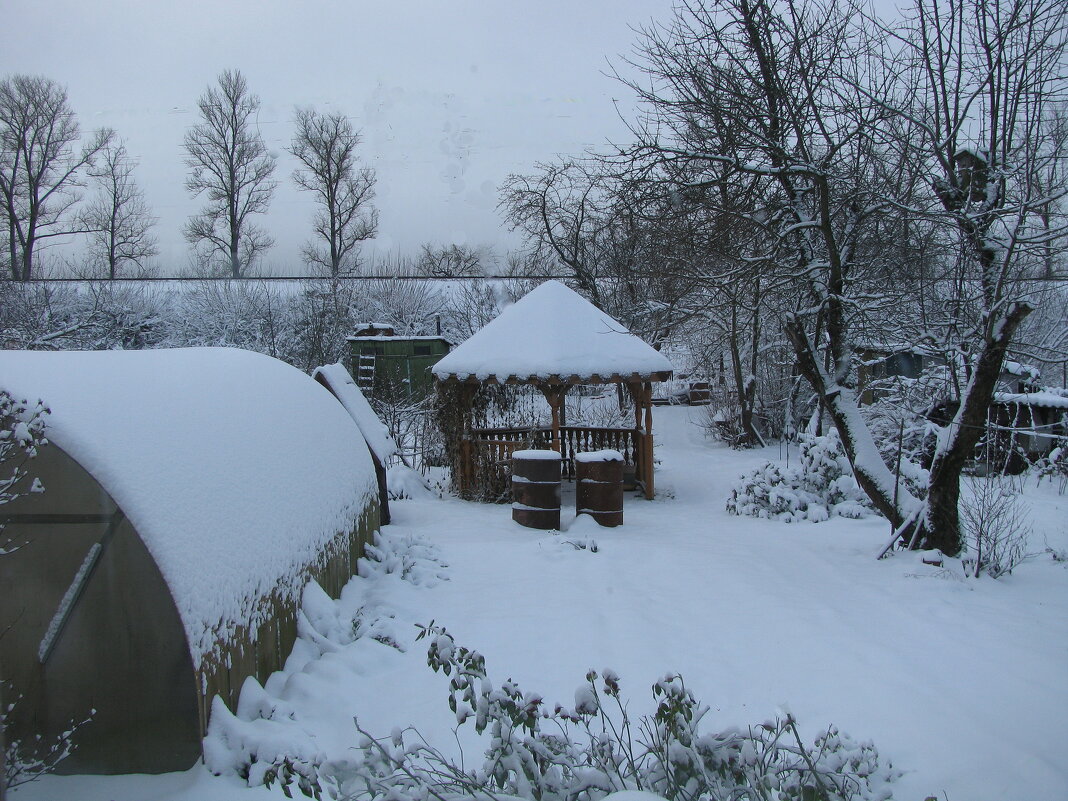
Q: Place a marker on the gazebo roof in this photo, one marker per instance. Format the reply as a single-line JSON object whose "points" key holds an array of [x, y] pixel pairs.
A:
{"points": [[553, 334]]}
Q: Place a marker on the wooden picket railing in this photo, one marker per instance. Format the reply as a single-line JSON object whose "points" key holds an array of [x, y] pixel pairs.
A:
{"points": [[485, 456]]}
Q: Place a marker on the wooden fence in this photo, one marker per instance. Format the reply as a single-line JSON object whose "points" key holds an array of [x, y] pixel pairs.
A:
{"points": [[485, 456]]}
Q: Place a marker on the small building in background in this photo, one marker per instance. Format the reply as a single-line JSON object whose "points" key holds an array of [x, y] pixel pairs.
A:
{"points": [[189, 496], [392, 367], [1025, 426]]}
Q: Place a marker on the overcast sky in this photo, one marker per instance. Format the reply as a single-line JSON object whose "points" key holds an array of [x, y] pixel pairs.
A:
{"points": [[451, 95]]}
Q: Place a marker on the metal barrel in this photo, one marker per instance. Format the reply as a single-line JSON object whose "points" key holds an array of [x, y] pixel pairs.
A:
{"points": [[536, 489], [599, 486]]}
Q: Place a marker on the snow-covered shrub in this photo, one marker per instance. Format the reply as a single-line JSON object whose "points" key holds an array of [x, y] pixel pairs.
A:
{"points": [[26, 761], [822, 486], [1055, 466], [22, 433], [412, 558], [403, 482], [995, 527], [585, 751], [548, 752]]}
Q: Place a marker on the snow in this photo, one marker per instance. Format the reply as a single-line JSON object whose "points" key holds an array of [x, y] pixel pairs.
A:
{"points": [[395, 337], [536, 455], [959, 682], [552, 330], [1048, 399], [66, 602], [235, 468], [632, 795], [404, 482], [607, 455], [1020, 369], [339, 381]]}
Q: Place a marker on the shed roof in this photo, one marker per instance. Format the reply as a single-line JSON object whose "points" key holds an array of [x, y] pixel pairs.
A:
{"points": [[235, 468], [553, 331], [1048, 398], [340, 382]]}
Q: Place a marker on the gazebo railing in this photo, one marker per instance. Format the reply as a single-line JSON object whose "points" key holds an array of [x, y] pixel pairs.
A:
{"points": [[486, 453], [583, 439]]}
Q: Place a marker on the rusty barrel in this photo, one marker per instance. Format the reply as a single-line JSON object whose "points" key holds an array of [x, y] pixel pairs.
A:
{"points": [[599, 486], [536, 489]]}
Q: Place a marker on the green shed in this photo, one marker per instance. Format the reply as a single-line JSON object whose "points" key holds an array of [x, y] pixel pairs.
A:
{"points": [[391, 367]]}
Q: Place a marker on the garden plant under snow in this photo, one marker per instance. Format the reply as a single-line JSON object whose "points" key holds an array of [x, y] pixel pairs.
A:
{"points": [[821, 487]]}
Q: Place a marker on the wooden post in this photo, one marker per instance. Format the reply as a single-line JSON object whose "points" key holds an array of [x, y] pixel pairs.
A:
{"points": [[641, 393], [647, 451], [554, 394], [467, 451]]}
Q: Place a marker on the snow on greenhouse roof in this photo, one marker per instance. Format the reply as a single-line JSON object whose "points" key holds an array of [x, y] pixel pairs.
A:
{"points": [[236, 469], [339, 381], [553, 331]]}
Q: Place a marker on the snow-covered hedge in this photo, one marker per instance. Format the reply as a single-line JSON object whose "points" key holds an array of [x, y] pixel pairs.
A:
{"points": [[822, 486]]}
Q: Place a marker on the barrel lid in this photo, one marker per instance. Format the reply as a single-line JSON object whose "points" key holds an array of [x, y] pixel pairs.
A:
{"points": [[531, 455], [606, 455]]}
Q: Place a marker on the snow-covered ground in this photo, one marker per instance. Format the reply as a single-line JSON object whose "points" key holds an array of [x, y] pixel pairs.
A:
{"points": [[963, 684]]}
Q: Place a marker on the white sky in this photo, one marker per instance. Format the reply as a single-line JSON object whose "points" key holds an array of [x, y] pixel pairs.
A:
{"points": [[451, 95]]}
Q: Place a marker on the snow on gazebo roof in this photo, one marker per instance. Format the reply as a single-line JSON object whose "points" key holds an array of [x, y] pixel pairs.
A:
{"points": [[553, 332], [339, 381], [236, 469]]}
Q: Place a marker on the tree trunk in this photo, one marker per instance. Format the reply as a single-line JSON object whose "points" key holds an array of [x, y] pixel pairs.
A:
{"points": [[3, 751], [13, 249], [939, 525], [840, 403], [956, 444], [27, 261]]}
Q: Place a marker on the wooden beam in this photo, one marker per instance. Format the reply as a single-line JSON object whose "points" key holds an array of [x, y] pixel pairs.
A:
{"points": [[569, 380]]}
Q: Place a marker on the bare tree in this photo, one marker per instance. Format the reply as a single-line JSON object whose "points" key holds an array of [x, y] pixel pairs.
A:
{"points": [[41, 166], [229, 162], [450, 261], [325, 145], [119, 220], [558, 209], [980, 82], [855, 143], [756, 91]]}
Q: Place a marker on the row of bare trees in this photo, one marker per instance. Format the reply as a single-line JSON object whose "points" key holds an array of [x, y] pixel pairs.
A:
{"points": [[45, 167], [808, 180]]}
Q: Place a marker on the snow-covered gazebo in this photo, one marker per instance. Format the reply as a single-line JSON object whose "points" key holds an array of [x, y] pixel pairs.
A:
{"points": [[553, 339], [189, 495]]}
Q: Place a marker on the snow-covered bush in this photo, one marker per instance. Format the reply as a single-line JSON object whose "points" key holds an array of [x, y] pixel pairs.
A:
{"points": [[995, 527], [1055, 466], [822, 486], [411, 557], [587, 751], [22, 434], [28, 760]]}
